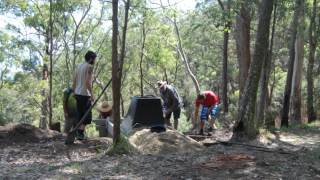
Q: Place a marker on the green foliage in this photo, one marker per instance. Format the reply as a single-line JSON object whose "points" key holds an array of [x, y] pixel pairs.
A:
{"points": [[184, 125], [21, 103]]}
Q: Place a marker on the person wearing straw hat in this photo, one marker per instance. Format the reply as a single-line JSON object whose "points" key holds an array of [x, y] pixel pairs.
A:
{"points": [[171, 102], [104, 119], [105, 110]]}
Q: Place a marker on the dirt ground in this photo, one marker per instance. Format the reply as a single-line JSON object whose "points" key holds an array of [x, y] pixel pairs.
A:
{"points": [[293, 154]]}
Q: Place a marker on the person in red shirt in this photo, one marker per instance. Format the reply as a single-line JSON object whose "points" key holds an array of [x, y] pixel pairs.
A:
{"points": [[210, 108]]}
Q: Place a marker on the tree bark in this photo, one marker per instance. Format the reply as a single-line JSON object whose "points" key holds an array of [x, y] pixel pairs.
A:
{"points": [[287, 91], [225, 55], [143, 40], [296, 79], [115, 74], [117, 66], [265, 76], [312, 49], [296, 83], [246, 116], [51, 65], [242, 32], [44, 104]]}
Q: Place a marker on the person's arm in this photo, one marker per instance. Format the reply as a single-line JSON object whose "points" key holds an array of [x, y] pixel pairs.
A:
{"points": [[89, 80]]}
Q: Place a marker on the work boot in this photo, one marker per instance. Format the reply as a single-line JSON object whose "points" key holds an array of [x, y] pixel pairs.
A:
{"points": [[210, 129], [80, 135], [201, 132]]}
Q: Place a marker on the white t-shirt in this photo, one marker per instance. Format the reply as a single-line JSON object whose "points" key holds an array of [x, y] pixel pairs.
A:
{"points": [[81, 75]]}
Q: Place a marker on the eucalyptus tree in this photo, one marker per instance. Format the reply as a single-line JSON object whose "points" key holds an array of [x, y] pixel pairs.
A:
{"points": [[287, 91], [314, 27], [246, 120]]}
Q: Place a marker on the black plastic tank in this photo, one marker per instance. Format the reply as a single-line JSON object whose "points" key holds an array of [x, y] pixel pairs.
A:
{"points": [[143, 111]]}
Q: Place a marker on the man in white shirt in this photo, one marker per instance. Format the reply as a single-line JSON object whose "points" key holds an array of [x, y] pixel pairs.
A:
{"points": [[82, 87]]}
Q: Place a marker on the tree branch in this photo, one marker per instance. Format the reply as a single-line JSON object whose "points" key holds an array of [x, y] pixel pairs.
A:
{"points": [[221, 5]]}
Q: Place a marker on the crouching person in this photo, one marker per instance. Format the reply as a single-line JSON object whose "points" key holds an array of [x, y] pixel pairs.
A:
{"points": [[209, 111], [70, 109], [104, 119], [171, 102]]}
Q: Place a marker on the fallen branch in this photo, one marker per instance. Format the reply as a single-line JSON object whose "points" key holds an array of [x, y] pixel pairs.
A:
{"points": [[258, 148]]}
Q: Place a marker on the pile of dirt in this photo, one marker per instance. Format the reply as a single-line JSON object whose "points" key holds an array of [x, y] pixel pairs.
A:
{"points": [[170, 141], [17, 133]]}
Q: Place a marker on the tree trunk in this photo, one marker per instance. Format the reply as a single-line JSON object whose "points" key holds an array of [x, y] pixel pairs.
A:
{"points": [[287, 91], [225, 69], [116, 79], [44, 104], [143, 40], [242, 37], [268, 101], [225, 73], [312, 49], [122, 105], [51, 65], [265, 76], [225, 55], [296, 79], [246, 120], [117, 65]]}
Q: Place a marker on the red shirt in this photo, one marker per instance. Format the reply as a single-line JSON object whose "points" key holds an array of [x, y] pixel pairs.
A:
{"points": [[210, 99]]}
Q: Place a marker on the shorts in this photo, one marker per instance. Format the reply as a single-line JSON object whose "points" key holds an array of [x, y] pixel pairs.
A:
{"points": [[176, 114], [204, 112], [83, 105]]}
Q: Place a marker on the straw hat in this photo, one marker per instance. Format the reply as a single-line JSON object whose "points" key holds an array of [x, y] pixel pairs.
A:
{"points": [[104, 107], [161, 84]]}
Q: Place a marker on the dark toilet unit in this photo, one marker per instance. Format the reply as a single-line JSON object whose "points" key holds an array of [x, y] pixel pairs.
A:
{"points": [[144, 111]]}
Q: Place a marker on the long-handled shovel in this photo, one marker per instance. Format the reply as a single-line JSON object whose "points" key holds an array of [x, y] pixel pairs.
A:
{"points": [[72, 133]]}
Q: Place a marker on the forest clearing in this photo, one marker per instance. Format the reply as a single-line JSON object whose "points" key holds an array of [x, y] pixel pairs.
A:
{"points": [[159, 89], [288, 154]]}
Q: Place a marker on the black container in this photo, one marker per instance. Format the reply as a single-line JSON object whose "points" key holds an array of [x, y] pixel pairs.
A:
{"points": [[144, 111]]}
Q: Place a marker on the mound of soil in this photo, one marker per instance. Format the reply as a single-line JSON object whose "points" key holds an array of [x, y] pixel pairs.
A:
{"points": [[17, 133], [170, 141]]}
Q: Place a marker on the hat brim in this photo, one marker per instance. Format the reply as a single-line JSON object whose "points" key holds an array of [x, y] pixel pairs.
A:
{"points": [[161, 84], [101, 109]]}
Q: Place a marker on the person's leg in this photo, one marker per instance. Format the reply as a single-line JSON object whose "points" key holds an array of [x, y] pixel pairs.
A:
{"points": [[176, 116], [213, 115], [88, 118], [212, 124], [203, 118], [80, 109], [167, 119], [83, 106]]}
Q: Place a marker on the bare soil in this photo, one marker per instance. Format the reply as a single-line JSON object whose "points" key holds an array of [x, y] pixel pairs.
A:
{"points": [[294, 154], [170, 141]]}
